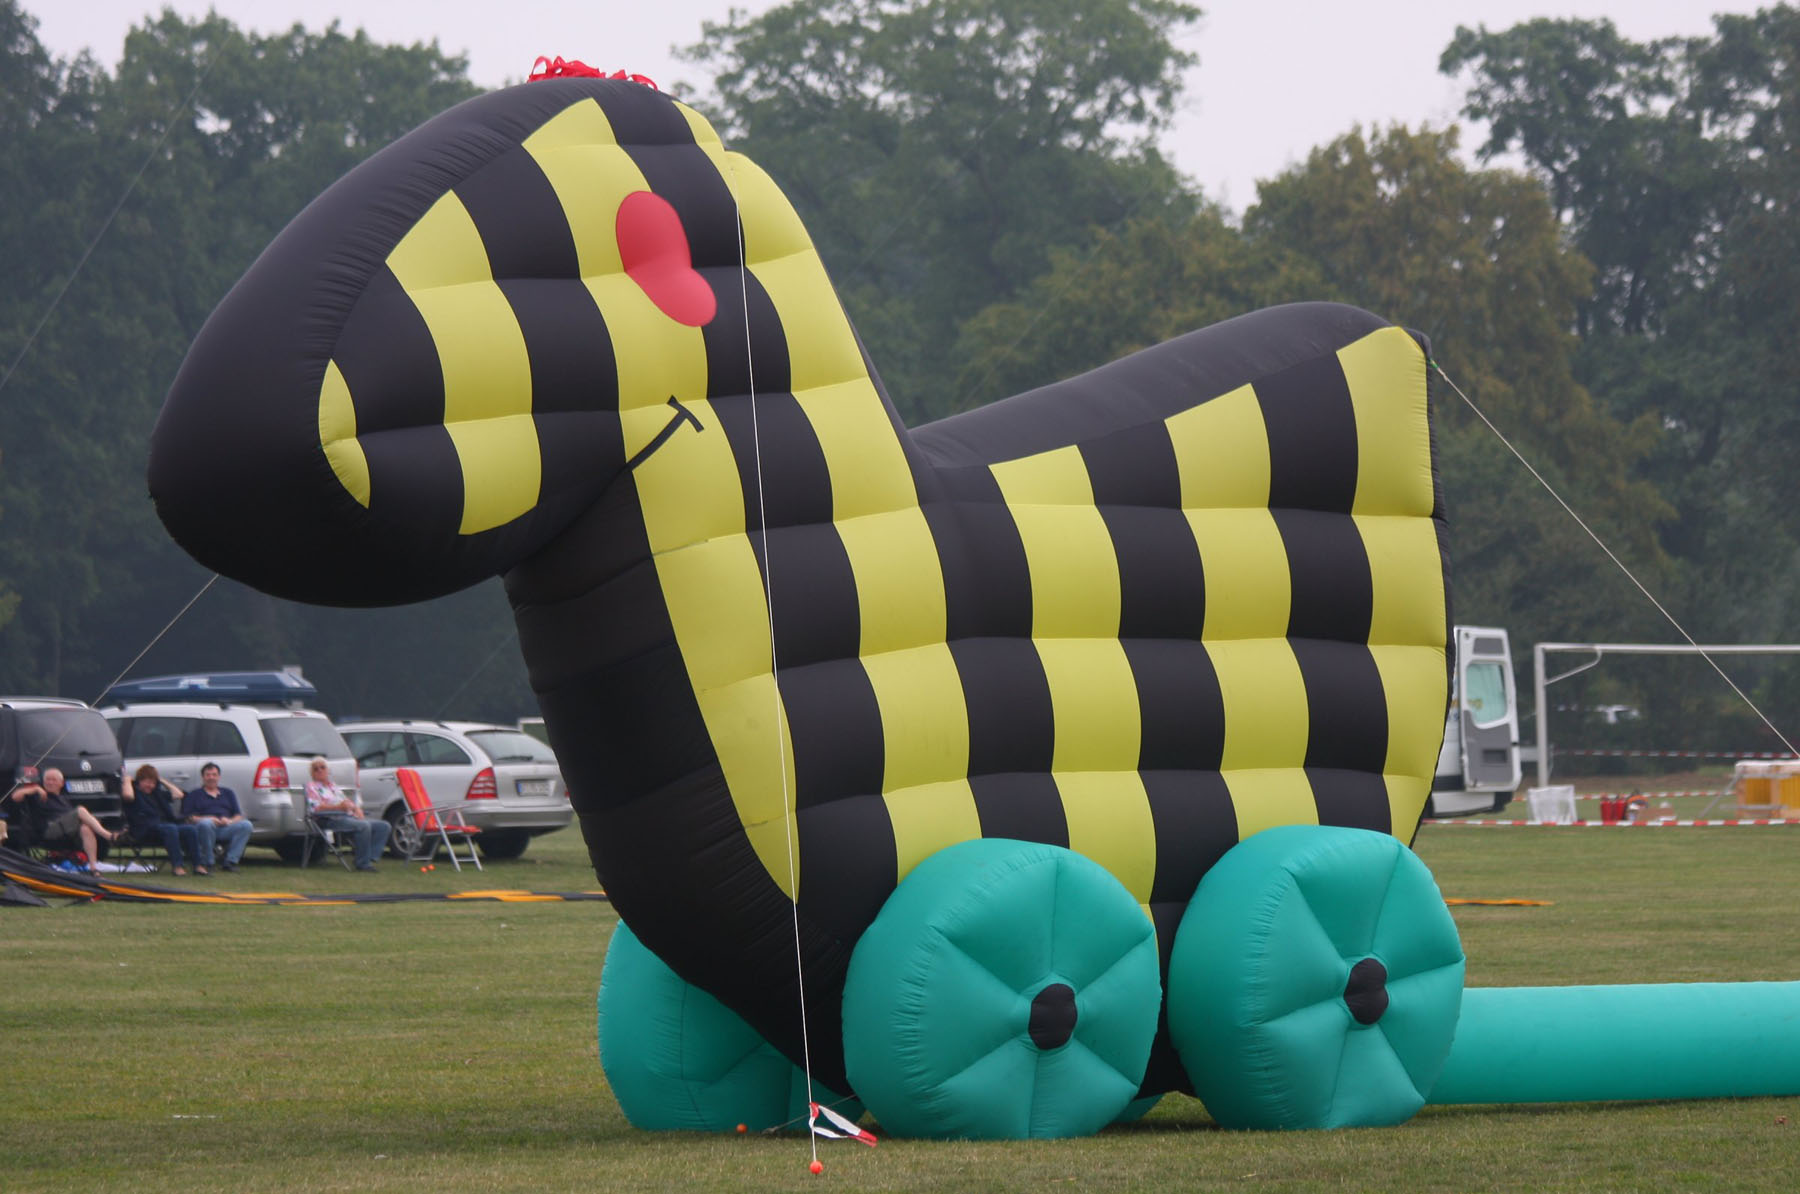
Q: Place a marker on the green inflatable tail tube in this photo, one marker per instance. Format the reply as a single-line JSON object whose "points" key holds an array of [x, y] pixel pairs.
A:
{"points": [[1594, 1044]]}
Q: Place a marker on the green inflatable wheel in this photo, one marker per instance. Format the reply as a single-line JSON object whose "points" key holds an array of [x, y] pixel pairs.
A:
{"points": [[678, 1060], [1315, 981], [1006, 990]]}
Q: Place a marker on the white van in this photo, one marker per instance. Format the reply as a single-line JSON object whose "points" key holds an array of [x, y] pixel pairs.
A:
{"points": [[1478, 766]]}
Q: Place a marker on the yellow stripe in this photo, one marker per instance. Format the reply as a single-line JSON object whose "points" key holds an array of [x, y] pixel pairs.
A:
{"points": [[1109, 821], [1248, 585], [337, 434], [1406, 571], [1222, 452], [869, 472], [591, 175], [1417, 691], [1074, 571], [443, 266], [924, 722], [1094, 701], [821, 349], [899, 581], [1386, 372], [1267, 798], [1264, 697], [929, 817], [746, 724]]}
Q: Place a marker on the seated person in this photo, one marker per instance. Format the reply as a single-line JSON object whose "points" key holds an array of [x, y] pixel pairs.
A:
{"points": [[214, 812], [340, 814], [150, 816], [56, 823]]}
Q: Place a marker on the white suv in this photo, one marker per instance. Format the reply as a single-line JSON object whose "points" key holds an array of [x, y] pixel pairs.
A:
{"points": [[252, 728], [508, 782]]}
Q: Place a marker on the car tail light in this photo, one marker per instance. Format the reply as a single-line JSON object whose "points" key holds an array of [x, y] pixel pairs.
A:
{"points": [[271, 773], [482, 787]]}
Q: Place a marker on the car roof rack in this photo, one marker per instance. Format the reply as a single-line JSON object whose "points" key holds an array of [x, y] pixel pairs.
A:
{"points": [[225, 688]]}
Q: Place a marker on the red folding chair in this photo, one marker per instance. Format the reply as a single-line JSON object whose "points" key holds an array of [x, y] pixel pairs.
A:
{"points": [[434, 825]]}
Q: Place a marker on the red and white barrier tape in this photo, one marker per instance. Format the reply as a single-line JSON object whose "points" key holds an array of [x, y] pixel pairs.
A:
{"points": [[1649, 795], [1663, 824]]}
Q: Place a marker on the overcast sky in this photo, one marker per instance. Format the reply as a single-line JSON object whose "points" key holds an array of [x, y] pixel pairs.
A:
{"points": [[1276, 77]]}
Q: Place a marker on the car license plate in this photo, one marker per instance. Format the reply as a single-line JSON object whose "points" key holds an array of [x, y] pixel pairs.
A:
{"points": [[84, 787], [538, 788]]}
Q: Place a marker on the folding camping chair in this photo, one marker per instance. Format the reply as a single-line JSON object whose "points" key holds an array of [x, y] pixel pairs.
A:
{"points": [[320, 835], [435, 825]]}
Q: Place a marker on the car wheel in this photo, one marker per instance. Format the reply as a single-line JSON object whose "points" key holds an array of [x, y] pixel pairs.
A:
{"points": [[503, 843], [289, 849], [404, 841]]}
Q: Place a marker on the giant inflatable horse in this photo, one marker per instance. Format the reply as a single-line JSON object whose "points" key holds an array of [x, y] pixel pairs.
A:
{"points": [[995, 693]]}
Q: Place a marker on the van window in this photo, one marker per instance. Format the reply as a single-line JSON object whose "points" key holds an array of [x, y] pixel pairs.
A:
{"points": [[303, 736], [153, 737], [219, 738], [1485, 693], [440, 751]]}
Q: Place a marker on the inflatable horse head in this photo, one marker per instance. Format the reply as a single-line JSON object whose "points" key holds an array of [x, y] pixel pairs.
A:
{"points": [[786, 648]]}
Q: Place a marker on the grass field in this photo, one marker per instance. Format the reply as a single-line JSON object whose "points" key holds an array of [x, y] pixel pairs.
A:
{"points": [[450, 1046]]}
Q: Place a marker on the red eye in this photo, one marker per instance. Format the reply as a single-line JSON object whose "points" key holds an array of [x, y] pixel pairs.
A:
{"points": [[654, 250]]}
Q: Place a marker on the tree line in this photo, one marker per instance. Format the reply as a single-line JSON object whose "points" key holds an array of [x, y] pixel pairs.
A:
{"points": [[983, 180]]}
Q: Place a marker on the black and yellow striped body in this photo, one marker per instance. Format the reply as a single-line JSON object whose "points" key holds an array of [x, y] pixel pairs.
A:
{"points": [[785, 648]]}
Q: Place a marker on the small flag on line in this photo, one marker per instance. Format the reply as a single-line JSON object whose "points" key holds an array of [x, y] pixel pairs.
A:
{"points": [[839, 1129]]}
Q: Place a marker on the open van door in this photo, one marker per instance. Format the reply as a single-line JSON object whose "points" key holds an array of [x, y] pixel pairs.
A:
{"points": [[1488, 709]]}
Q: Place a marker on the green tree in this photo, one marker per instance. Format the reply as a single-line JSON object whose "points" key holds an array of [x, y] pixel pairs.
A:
{"points": [[1675, 167], [941, 150], [235, 133]]}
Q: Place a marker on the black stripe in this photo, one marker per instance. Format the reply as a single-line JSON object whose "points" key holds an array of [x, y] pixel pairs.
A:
{"points": [[1195, 824], [1333, 589], [1162, 585], [835, 724], [1021, 805], [390, 362], [813, 591], [1312, 436], [520, 219], [1011, 720], [415, 481], [1347, 706], [1181, 710], [765, 369], [574, 391], [599, 723], [796, 481], [848, 863], [987, 578], [572, 363], [1354, 799], [1134, 467], [1164, 1072], [641, 116], [687, 178], [609, 675]]}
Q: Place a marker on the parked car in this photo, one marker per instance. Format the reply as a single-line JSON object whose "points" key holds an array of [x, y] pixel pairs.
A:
{"points": [[254, 725], [508, 782], [38, 733]]}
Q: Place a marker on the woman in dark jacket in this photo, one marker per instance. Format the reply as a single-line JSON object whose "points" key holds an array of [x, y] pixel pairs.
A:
{"points": [[150, 814]]}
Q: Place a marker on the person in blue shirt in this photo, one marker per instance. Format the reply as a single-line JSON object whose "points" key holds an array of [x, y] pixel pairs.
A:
{"points": [[150, 815], [216, 814]]}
